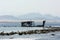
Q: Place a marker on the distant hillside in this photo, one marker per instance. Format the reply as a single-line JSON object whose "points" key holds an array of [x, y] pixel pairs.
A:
{"points": [[8, 17], [31, 16], [37, 16]]}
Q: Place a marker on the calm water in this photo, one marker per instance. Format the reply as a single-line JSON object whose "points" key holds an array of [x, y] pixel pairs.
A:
{"points": [[9, 29]]}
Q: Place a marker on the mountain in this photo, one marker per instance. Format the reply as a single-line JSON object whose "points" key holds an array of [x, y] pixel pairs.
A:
{"points": [[37, 16], [50, 17], [31, 16], [8, 17]]}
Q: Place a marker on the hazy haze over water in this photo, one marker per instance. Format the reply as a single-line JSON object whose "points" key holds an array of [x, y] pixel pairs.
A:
{"points": [[21, 7]]}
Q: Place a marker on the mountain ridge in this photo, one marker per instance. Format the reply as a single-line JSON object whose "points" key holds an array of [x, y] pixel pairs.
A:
{"points": [[8, 17], [31, 16], [37, 16]]}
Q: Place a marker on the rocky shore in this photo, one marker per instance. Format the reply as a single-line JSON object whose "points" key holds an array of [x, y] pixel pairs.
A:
{"points": [[51, 29]]}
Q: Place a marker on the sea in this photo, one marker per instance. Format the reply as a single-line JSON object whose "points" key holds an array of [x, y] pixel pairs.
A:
{"points": [[46, 36]]}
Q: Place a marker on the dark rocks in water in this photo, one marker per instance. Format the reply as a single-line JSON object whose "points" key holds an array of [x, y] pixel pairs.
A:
{"points": [[32, 32], [2, 33], [7, 34], [37, 31], [52, 30], [24, 33], [20, 33], [44, 31], [12, 33], [53, 34]]}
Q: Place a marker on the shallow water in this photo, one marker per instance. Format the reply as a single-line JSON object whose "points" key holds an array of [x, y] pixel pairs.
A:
{"points": [[15, 29], [46, 36]]}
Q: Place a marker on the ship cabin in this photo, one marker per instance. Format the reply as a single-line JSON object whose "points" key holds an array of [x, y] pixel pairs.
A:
{"points": [[31, 24], [27, 23]]}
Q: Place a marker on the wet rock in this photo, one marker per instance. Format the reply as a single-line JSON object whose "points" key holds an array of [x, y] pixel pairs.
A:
{"points": [[20, 33], [53, 34], [11, 33], [7, 34], [2, 33]]}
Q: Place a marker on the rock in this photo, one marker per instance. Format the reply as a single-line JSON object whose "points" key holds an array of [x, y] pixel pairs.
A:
{"points": [[53, 34]]}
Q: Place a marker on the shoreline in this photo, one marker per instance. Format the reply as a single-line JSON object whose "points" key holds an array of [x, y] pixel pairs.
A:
{"points": [[42, 31]]}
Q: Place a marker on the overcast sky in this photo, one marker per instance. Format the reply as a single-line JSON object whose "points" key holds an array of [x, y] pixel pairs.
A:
{"points": [[21, 7]]}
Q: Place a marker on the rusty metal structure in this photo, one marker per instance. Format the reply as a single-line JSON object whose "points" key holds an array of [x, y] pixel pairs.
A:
{"points": [[31, 24], [27, 24]]}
